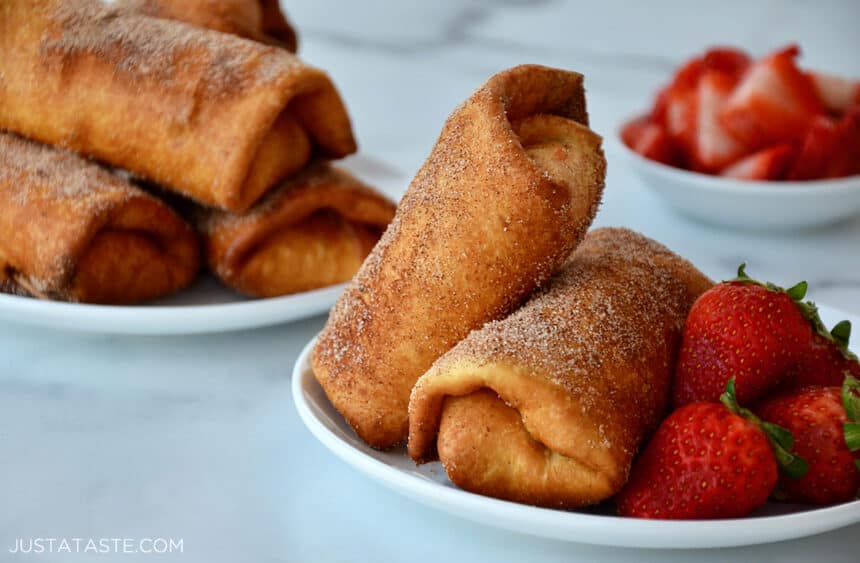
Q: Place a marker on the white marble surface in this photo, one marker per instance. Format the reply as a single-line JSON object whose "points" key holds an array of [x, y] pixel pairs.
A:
{"points": [[196, 437]]}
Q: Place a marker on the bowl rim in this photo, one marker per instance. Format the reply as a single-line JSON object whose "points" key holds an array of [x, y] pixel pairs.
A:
{"points": [[710, 182]]}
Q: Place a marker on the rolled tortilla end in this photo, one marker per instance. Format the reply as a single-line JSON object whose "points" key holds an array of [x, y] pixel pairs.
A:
{"points": [[312, 231], [550, 405], [74, 231]]}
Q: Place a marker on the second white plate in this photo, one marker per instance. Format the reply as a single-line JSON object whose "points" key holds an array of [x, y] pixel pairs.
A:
{"points": [[429, 485], [204, 307]]}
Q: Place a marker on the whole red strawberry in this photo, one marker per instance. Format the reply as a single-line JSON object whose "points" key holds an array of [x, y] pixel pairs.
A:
{"points": [[707, 460], [827, 359], [824, 422], [744, 329]]}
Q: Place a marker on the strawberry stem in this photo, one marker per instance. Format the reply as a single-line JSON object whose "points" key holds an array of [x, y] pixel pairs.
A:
{"points": [[781, 440], [798, 291], [851, 402], [840, 333], [852, 435]]}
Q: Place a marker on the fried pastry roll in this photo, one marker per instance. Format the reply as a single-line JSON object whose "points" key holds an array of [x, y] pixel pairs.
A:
{"points": [[260, 20], [507, 192], [549, 405], [314, 230], [72, 230], [214, 116]]}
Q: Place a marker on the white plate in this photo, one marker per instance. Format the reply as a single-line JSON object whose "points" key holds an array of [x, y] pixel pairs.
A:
{"points": [[206, 306], [428, 484], [754, 205]]}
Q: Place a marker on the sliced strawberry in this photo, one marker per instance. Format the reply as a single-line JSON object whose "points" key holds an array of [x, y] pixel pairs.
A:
{"points": [[688, 75], [830, 149], [819, 142], [774, 102], [714, 148], [771, 163], [681, 117], [837, 93], [651, 141], [727, 60], [658, 112], [677, 105]]}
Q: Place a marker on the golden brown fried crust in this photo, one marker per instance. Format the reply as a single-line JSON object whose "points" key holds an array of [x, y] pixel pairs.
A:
{"points": [[578, 378], [261, 20], [312, 231], [71, 230], [510, 188], [192, 109], [485, 448]]}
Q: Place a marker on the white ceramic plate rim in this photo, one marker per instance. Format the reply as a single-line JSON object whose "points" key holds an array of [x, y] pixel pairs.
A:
{"points": [[717, 184], [168, 319], [568, 525]]}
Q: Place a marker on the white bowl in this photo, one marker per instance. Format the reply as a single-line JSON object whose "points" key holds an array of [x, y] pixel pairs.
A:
{"points": [[747, 204]]}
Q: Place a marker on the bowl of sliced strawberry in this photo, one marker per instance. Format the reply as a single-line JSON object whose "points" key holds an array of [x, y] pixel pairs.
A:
{"points": [[761, 144]]}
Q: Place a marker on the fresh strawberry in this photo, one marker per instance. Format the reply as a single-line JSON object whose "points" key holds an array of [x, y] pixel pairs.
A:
{"points": [[827, 359], [771, 163], [830, 149], [714, 148], [650, 139], [707, 460], [837, 93], [774, 102], [824, 422], [753, 332]]}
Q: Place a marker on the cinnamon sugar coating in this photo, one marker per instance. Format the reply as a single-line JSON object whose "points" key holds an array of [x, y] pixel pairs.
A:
{"points": [[214, 116], [260, 20], [71, 230], [579, 377], [313, 230]]}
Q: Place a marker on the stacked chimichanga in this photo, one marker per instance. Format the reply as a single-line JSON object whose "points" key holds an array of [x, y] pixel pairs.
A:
{"points": [[261, 20], [312, 231], [230, 123], [71, 230], [219, 118]]}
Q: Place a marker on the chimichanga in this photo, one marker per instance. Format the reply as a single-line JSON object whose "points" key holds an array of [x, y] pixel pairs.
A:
{"points": [[214, 116], [314, 230], [260, 20], [71, 230], [549, 405], [508, 191]]}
